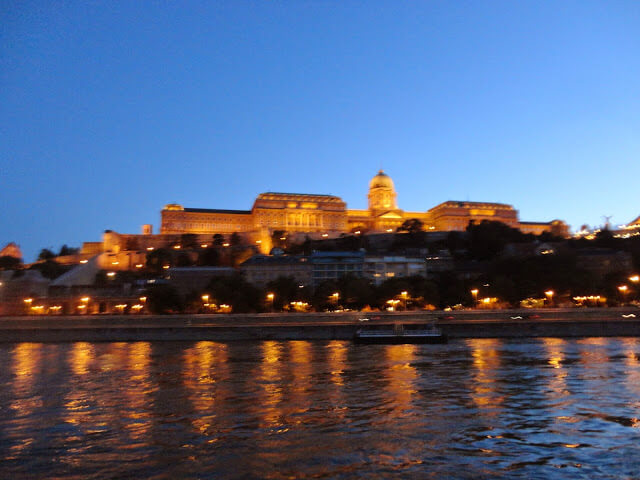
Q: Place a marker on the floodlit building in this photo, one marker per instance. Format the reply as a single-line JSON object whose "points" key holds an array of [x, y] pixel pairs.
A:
{"points": [[296, 216]]}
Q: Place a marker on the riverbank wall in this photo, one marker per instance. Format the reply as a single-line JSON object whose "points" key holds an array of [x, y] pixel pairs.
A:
{"points": [[319, 326]]}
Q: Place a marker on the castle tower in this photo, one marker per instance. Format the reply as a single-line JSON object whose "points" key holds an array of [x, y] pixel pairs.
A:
{"points": [[382, 194]]}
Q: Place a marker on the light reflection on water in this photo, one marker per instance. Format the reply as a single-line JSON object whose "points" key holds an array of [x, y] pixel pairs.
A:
{"points": [[543, 408]]}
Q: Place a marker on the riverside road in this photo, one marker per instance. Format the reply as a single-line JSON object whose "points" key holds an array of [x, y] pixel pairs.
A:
{"points": [[574, 322]]}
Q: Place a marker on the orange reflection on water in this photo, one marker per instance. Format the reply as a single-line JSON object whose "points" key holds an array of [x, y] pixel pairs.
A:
{"points": [[26, 365], [337, 359], [336, 351], [139, 389], [270, 378], [301, 359], [486, 362], [401, 374], [206, 364], [80, 357], [555, 348], [632, 370]]}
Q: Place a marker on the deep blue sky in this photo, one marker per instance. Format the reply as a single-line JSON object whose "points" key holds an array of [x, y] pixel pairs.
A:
{"points": [[109, 110]]}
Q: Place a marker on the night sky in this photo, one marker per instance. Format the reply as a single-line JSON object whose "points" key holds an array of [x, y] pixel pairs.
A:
{"points": [[110, 110]]}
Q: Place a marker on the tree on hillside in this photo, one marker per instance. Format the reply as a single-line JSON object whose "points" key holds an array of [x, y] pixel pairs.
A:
{"points": [[64, 250], [488, 238], [234, 290], [157, 259], [411, 225], [218, 240], [164, 299], [355, 292], [49, 268], [235, 239], [189, 240], [209, 257], [285, 290], [7, 262], [46, 254]]}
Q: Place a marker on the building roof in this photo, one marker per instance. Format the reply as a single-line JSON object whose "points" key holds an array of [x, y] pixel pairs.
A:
{"points": [[80, 275], [467, 204], [300, 196], [217, 210]]}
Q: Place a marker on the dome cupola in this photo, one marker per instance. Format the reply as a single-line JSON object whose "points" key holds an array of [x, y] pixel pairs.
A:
{"points": [[381, 180], [382, 193]]}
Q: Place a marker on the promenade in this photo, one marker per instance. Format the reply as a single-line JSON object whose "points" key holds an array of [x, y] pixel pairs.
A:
{"points": [[583, 322]]}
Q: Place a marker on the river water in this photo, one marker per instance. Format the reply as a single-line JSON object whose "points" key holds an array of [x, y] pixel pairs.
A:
{"points": [[484, 408]]}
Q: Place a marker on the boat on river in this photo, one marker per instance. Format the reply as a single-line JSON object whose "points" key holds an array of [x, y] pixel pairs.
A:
{"points": [[398, 334]]}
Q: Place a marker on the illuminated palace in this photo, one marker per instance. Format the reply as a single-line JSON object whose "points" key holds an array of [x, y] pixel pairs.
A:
{"points": [[327, 216]]}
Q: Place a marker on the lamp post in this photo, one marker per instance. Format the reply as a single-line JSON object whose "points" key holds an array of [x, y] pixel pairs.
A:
{"points": [[549, 294], [28, 302], [270, 297], [623, 290], [474, 293], [635, 279], [335, 297]]}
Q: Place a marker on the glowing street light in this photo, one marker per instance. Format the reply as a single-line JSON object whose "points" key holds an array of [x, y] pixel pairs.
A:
{"points": [[549, 294], [270, 297], [623, 290], [474, 292], [405, 294], [634, 278]]}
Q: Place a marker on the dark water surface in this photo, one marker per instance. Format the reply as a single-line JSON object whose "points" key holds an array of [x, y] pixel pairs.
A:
{"points": [[542, 408]]}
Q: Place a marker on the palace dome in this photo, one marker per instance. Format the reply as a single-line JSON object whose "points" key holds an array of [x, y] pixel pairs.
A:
{"points": [[381, 180]]}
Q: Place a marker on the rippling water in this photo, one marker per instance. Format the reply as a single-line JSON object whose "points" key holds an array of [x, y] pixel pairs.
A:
{"points": [[543, 408]]}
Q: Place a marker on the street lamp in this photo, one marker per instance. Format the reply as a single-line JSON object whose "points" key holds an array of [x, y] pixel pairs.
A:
{"points": [[623, 290], [474, 292], [270, 297], [549, 294], [335, 297], [634, 278], [404, 296]]}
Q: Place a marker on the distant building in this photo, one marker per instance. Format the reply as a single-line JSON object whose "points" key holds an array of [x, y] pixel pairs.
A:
{"points": [[603, 261], [296, 216], [11, 250], [379, 268], [262, 269], [195, 279], [334, 265], [21, 291]]}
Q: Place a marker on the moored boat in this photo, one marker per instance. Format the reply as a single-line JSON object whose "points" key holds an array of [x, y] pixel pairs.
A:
{"points": [[399, 334]]}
